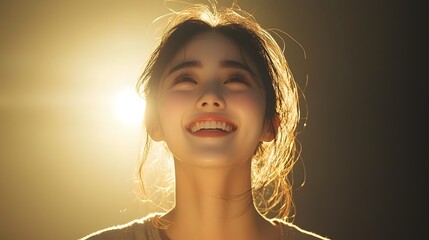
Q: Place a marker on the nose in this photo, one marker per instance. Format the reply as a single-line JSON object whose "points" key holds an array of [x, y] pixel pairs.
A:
{"points": [[211, 99]]}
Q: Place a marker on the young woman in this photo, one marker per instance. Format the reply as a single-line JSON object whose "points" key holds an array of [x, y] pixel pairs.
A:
{"points": [[221, 96]]}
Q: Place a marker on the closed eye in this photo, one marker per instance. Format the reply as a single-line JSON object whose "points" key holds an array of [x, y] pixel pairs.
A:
{"points": [[184, 82], [184, 79], [237, 79]]}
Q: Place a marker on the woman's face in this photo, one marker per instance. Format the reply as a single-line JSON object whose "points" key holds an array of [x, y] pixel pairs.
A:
{"points": [[210, 105]]}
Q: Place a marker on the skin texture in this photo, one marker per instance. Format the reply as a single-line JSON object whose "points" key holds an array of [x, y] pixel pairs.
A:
{"points": [[209, 80]]}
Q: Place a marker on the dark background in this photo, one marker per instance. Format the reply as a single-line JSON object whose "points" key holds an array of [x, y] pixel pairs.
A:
{"points": [[365, 100], [362, 145]]}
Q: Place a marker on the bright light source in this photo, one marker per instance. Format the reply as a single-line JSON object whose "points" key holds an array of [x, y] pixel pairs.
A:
{"points": [[129, 107]]}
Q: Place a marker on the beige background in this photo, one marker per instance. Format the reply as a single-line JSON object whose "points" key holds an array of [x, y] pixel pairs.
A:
{"points": [[67, 159]]}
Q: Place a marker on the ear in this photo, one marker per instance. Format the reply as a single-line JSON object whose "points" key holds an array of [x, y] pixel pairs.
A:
{"points": [[269, 132], [154, 132], [152, 126]]}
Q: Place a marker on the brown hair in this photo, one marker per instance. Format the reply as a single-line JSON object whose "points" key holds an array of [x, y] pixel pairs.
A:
{"points": [[272, 161]]}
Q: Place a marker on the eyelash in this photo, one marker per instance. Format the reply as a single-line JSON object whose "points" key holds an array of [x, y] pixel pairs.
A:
{"points": [[183, 79], [237, 78]]}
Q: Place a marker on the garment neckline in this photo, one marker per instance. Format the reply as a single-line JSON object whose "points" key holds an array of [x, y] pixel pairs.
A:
{"points": [[157, 225]]}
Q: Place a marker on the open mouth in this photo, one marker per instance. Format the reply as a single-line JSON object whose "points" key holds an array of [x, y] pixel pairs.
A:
{"points": [[211, 128]]}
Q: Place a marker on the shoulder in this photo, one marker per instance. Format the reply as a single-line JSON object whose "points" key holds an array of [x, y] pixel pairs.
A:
{"points": [[139, 229], [293, 232]]}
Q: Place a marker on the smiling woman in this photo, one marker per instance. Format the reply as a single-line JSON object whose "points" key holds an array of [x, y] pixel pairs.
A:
{"points": [[203, 90], [221, 97]]}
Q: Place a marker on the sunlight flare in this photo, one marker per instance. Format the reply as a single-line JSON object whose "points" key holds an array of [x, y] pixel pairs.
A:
{"points": [[129, 107]]}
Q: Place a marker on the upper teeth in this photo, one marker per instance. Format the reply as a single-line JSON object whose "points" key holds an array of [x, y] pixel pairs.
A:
{"points": [[211, 125]]}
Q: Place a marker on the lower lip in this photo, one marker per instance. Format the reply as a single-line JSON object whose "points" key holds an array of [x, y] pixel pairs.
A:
{"points": [[210, 133]]}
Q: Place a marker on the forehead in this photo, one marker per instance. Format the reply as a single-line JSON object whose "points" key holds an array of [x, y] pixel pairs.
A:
{"points": [[210, 48]]}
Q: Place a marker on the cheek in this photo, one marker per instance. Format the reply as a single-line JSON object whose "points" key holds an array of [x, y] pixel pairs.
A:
{"points": [[172, 101], [172, 105], [252, 105]]}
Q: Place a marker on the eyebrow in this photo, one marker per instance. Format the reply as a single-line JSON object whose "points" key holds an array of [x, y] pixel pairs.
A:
{"points": [[235, 64], [188, 64], [198, 64]]}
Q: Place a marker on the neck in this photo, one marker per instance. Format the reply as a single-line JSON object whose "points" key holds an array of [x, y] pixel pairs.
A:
{"points": [[213, 203]]}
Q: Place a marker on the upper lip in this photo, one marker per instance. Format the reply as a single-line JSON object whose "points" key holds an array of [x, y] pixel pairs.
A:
{"points": [[192, 125]]}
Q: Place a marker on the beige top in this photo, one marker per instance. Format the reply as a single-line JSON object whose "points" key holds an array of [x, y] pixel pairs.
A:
{"points": [[145, 229]]}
